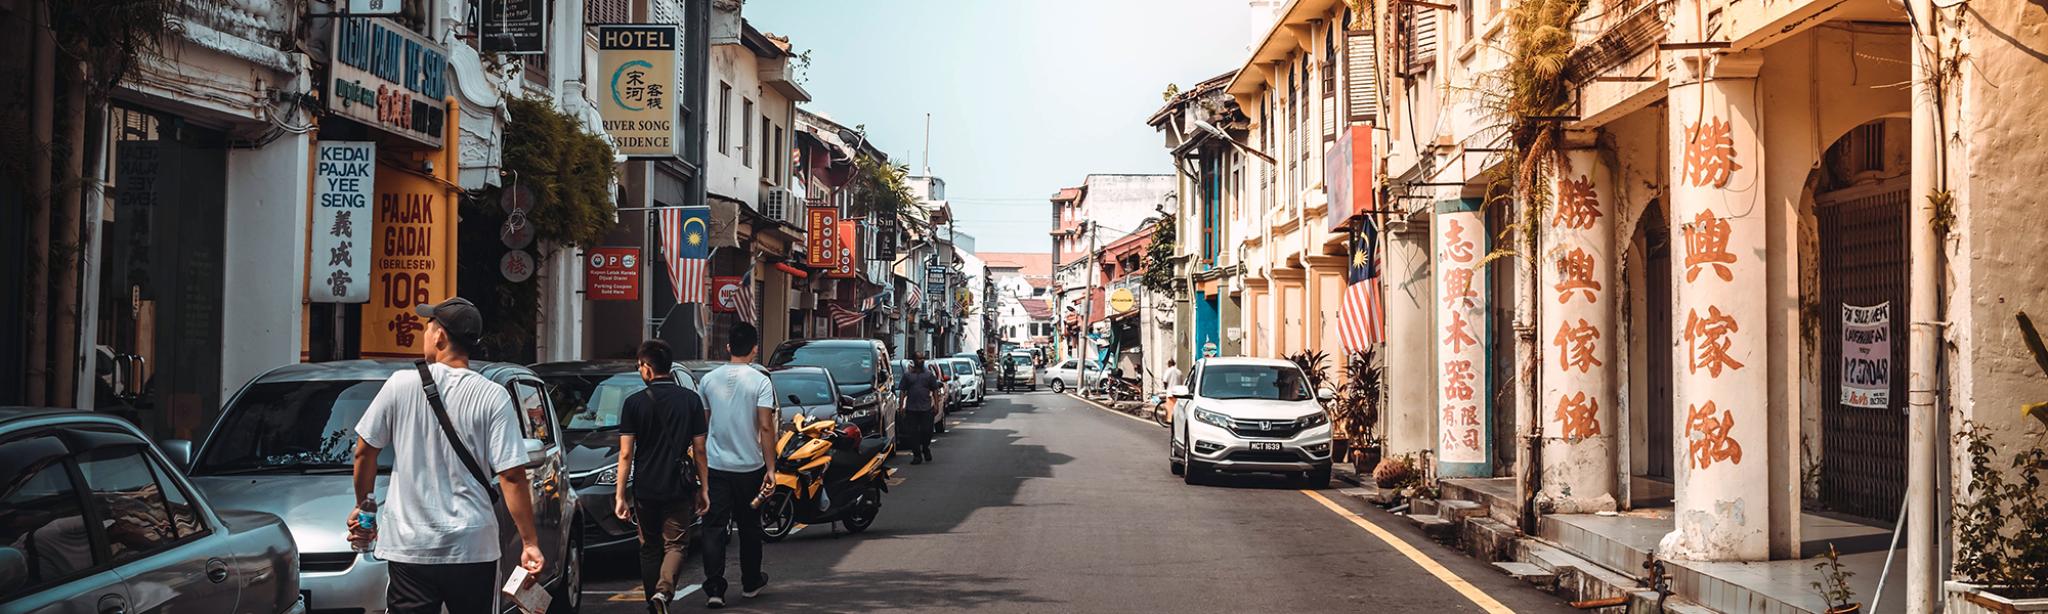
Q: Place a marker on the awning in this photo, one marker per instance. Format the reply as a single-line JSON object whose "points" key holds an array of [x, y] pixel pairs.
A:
{"points": [[792, 271]]}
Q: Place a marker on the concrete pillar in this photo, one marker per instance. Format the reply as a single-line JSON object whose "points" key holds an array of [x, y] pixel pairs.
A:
{"points": [[1722, 383], [1576, 331], [1410, 293], [1464, 389]]}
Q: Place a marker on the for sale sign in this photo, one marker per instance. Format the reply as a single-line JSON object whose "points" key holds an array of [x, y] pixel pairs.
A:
{"points": [[612, 274], [344, 180], [1867, 355]]}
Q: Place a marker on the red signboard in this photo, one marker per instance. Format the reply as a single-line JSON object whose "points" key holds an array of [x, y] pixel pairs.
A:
{"points": [[611, 273], [1347, 175], [821, 243], [848, 237], [725, 291]]}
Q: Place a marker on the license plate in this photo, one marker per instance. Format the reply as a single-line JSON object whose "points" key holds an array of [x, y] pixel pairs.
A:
{"points": [[1266, 446]]}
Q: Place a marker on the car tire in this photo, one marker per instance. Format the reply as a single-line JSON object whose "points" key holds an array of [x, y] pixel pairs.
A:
{"points": [[1317, 479], [1176, 467], [1194, 474], [1057, 386], [568, 596]]}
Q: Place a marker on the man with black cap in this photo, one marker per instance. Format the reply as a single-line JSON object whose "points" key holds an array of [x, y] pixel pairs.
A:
{"points": [[437, 528]]}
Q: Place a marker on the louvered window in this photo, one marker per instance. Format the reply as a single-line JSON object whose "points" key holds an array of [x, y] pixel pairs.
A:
{"points": [[666, 11], [1361, 76], [596, 12], [1421, 43], [1301, 127]]}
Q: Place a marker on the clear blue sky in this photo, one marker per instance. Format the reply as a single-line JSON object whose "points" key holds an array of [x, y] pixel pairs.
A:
{"points": [[1026, 96]]}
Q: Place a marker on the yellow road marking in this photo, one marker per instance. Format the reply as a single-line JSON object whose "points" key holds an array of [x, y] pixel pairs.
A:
{"points": [[1443, 574]]}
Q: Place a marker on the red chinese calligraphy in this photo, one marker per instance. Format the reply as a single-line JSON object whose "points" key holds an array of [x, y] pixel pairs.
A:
{"points": [[1575, 274], [1578, 204], [1710, 153], [1706, 244], [1576, 346], [1456, 246], [1707, 340], [1458, 288], [1450, 416], [1458, 334], [1713, 442], [1458, 376], [1578, 417], [1472, 438], [1468, 415]]}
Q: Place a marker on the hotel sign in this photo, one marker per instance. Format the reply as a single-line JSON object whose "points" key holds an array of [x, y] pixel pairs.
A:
{"points": [[388, 77], [637, 68]]}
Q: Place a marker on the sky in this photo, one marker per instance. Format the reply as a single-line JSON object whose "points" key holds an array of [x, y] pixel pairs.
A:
{"points": [[1025, 96]]}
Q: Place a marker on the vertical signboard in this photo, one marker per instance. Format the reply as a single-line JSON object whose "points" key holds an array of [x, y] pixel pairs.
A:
{"points": [[1460, 330], [935, 286], [513, 26], [1347, 175], [637, 68], [612, 274], [847, 233], [1867, 355], [414, 234], [390, 78], [821, 238], [344, 181]]}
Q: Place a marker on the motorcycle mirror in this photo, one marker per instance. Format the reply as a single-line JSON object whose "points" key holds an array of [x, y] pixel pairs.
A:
{"points": [[845, 404]]}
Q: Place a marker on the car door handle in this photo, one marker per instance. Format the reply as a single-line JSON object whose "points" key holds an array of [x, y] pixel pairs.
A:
{"points": [[216, 571]]}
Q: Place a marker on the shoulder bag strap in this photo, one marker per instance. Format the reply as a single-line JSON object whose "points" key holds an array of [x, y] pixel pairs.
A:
{"points": [[433, 391]]}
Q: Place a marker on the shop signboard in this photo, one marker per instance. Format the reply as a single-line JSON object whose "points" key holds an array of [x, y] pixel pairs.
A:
{"points": [[935, 285], [637, 67], [1462, 381], [725, 292], [1348, 176], [848, 234], [390, 78], [374, 7], [412, 263], [1867, 355], [612, 274], [821, 237], [344, 182], [513, 26]]}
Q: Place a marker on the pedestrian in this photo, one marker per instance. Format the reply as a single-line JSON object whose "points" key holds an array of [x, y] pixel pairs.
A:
{"points": [[1009, 374], [1171, 379], [437, 528], [741, 455], [921, 396], [661, 471]]}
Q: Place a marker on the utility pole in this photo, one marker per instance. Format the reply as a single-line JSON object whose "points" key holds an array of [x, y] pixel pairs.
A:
{"points": [[1082, 350]]}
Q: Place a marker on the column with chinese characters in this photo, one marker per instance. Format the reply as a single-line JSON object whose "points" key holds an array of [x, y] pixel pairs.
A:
{"points": [[1575, 265], [1463, 392], [1721, 391]]}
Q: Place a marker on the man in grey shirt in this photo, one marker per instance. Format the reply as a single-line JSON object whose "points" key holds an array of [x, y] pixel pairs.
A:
{"points": [[741, 447]]}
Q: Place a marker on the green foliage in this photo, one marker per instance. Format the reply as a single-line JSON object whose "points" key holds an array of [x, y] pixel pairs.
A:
{"points": [[1356, 409], [1529, 95], [2002, 525], [567, 171], [1835, 586], [880, 189], [1313, 364], [1159, 255]]}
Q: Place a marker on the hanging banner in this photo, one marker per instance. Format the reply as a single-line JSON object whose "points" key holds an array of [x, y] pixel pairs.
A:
{"points": [[637, 65], [513, 27], [388, 77], [848, 235], [1867, 356], [821, 240], [611, 274], [344, 180], [1347, 175], [1462, 386], [414, 233]]}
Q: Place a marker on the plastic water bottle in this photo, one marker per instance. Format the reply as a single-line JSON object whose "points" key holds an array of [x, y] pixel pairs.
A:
{"points": [[366, 517]]}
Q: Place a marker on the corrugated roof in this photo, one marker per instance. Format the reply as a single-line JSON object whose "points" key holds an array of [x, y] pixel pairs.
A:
{"points": [[1031, 264]]}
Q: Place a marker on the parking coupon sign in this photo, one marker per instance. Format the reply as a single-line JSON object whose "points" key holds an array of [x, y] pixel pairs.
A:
{"points": [[344, 178]]}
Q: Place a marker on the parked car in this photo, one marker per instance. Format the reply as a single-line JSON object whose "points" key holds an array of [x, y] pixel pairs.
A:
{"points": [[1023, 372], [1068, 374], [1250, 415], [973, 357], [285, 444], [860, 368], [95, 519], [697, 369], [588, 397], [808, 391], [967, 382]]}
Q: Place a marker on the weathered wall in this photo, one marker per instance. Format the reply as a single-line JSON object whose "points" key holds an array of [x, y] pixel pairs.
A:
{"points": [[265, 255], [1410, 297]]}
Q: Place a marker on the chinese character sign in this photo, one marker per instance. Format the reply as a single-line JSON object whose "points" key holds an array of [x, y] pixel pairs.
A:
{"points": [[411, 264], [821, 237], [1576, 328], [1867, 356], [1462, 387], [636, 94], [344, 181]]}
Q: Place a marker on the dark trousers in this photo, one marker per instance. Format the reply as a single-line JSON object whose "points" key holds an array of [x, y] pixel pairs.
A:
{"points": [[916, 431], [464, 588], [732, 501], [664, 530]]}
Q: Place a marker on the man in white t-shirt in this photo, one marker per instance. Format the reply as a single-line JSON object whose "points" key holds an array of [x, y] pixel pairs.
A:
{"points": [[1172, 378], [437, 527], [741, 447]]}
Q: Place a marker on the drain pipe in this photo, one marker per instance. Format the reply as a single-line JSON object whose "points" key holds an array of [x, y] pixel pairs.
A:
{"points": [[1923, 583]]}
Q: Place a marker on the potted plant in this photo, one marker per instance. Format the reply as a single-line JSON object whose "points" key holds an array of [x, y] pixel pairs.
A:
{"points": [[2002, 518], [1834, 585], [1356, 410], [1396, 473]]}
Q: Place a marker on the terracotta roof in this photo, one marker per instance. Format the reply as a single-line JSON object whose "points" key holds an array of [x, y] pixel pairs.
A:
{"points": [[1036, 308], [1033, 265], [1067, 194]]}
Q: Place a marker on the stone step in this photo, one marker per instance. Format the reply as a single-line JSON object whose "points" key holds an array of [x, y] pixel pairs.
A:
{"points": [[1621, 555], [1459, 509], [1421, 506], [1436, 527], [1489, 540], [1527, 572]]}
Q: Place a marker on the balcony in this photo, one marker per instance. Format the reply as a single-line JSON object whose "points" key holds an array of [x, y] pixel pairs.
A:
{"points": [[253, 30]]}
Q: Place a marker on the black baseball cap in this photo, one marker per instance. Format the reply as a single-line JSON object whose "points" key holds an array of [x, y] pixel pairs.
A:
{"points": [[459, 317]]}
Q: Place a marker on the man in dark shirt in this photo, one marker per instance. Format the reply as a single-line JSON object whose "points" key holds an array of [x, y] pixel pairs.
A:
{"points": [[920, 390], [658, 483]]}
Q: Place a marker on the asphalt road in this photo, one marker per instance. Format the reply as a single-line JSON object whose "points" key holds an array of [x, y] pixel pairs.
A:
{"points": [[1041, 503]]}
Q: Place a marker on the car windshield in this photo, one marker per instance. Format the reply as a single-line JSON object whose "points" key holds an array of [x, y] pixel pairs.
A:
{"points": [[592, 402], [896, 368], [962, 367], [1271, 383], [291, 426], [848, 364], [803, 388], [1022, 361]]}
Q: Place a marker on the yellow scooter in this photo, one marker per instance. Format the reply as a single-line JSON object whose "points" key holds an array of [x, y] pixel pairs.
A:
{"points": [[826, 473]]}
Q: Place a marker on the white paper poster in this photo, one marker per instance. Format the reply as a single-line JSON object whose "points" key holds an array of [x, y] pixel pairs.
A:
{"points": [[1867, 356]]}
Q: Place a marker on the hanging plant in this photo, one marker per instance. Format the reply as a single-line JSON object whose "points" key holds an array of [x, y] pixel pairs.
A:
{"points": [[566, 171], [1159, 271], [1530, 97]]}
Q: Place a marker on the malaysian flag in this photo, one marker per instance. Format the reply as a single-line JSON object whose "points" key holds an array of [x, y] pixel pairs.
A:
{"points": [[686, 246], [743, 299], [843, 317], [1361, 322]]}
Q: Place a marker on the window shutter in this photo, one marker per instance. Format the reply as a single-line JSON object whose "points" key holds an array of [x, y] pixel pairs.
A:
{"points": [[1361, 76], [1328, 69], [607, 11], [1421, 38]]}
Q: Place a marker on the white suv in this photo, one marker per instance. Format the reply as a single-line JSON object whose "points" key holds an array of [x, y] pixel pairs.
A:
{"points": [[1252, 415]]}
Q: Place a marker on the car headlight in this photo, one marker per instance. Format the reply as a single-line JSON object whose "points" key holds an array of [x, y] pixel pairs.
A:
{"points": [[860, 414], [867, 399], [1212, 418], [606, 476], [1313, 420]]}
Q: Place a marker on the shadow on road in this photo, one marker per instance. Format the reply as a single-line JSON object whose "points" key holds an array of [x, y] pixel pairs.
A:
{"points": [[865, 591]]}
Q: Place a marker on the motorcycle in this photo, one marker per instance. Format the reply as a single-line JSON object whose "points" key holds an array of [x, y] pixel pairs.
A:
{"points": [[825, 472]]}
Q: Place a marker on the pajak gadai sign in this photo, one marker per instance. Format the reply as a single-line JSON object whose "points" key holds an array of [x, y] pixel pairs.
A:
{"points": [[390, 78]]}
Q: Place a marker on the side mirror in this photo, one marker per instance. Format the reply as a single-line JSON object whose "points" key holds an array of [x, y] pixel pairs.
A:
{"points": [[1180, 392], [180, 453], [536, 452], [795, 400], [845, 403], [1324, 394]]}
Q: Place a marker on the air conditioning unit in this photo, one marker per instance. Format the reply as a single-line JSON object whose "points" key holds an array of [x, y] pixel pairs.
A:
{"points": [[781, 205]]}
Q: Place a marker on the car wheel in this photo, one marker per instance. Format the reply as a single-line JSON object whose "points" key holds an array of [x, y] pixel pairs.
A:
{"points": [[1318, 479], [568, 597], [1176, 467], [1057, 386], [1194, 473]]}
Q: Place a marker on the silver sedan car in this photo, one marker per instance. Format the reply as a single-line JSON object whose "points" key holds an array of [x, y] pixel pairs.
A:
{"points": [[94, 519]]}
